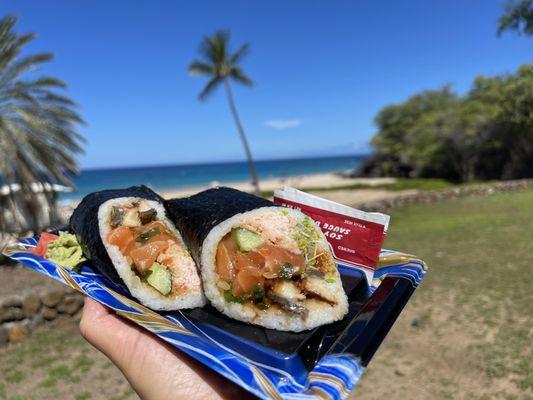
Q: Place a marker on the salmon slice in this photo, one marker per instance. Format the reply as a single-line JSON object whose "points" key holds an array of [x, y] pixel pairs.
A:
{"points": [[121, 237], [162, 234], [256, 258], [246, 280], [242, 261], [145, 255], [131, 245], [275, 257], [224, 264]]}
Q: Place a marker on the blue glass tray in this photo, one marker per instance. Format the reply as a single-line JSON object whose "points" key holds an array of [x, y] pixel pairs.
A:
{"points": [[324, 362]]}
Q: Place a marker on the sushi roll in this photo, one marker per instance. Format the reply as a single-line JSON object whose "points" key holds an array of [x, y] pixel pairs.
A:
{"points": [[262, 264], [127, 236]]}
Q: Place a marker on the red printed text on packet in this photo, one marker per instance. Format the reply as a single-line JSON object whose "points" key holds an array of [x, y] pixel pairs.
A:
{"points": [[353, 241]]}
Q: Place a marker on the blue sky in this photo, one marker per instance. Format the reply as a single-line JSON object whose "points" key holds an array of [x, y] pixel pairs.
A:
{"points": [[323, 69]]}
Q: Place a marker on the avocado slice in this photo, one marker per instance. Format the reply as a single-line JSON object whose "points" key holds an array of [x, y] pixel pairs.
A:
{"points": [[246, 239], [159, 277]]}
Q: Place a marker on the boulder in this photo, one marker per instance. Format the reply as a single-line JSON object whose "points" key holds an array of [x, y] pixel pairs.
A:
{"points": [[17, 332], [13, 301], [52, 298], [31, 305], [8, 314], [70, 304], [49, 313], [36, 320]]}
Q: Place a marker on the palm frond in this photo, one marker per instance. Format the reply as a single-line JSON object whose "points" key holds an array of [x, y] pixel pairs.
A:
{"points": [[10, 42], [48, 81], [213, 48], [200, 68], [220, 41], [23, 65], [238, 75], [6, 25], [54, 98], [209, 87], [236, 57]]}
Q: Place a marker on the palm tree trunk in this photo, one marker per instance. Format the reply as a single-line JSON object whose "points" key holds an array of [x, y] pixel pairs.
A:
{"points": [[255, 180]]}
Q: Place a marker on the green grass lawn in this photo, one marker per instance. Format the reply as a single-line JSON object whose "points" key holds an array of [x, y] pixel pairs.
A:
{"points": [[466, 334], [400, 184], [469, 326], [55, 362]]}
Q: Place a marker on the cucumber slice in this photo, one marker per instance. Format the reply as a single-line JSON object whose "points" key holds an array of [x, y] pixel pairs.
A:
{"points": [[159, 277], [246, 239]]}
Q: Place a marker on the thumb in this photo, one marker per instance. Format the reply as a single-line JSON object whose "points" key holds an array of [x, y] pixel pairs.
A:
{"points": [[105, 330]]}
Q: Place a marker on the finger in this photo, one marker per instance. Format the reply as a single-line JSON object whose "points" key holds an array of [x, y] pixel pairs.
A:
{"points": [[103, 329], [94, 309]]}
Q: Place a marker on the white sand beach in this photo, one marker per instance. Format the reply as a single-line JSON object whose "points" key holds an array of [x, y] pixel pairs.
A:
{"points": [[304, 182], [331, 181]]}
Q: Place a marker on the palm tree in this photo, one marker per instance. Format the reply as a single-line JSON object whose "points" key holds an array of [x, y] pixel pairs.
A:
{"points": [[222, 66], [518, 16], [38, 127]]}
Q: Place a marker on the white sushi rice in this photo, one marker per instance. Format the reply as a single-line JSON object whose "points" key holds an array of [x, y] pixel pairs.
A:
{"points": [[147, 295], [277, 225]]}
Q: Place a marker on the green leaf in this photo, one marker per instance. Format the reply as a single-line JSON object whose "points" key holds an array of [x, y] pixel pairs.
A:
{"points": [[230, 298], [145, 236], [286, 271], [256, 295]]}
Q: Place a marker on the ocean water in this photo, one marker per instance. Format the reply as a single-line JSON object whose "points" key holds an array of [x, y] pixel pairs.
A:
{"points": [[182, 176]]}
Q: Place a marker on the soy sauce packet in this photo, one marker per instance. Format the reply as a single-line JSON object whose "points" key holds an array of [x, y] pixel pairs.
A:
{"points": [[355, 237]]}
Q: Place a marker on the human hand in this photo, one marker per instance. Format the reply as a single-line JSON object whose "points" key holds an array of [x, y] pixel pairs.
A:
{"points": [[154, 369]]}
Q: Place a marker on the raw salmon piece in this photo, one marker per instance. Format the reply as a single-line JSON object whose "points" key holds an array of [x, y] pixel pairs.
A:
{"points": [[162, 235], [246, 280], [242, 261], [121, 237], [275, 257], [256, 258], [224, 263], [144, 256]]}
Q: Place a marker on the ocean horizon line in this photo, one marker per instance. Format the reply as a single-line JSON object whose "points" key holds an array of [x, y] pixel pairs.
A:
{"points": [[224, 162]]}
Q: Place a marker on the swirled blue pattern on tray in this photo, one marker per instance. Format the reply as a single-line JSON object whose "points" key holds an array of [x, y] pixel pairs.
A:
{"points": [[328, 367]]}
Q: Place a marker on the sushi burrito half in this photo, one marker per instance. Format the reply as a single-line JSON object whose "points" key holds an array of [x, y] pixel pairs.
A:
{"points": [[262, 264], [127, 236]]}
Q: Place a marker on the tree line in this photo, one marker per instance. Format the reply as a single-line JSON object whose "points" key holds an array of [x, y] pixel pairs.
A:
{"points": [[485, 134]]}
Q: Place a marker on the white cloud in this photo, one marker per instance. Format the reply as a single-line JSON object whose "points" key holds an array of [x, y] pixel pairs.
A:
{"points": [[281, 124]]}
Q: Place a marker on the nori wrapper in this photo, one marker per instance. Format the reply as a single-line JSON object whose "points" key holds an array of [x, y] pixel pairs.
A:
{"points": [[84, 224], [195, 216]]}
